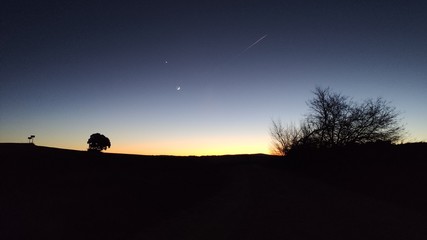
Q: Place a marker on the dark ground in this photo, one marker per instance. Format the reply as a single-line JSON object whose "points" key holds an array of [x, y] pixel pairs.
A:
{"points": [[369, 192]]}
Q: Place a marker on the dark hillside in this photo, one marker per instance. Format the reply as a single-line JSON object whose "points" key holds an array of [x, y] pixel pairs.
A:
{"points": [[96, 191], [49, 193], [394, 173]]}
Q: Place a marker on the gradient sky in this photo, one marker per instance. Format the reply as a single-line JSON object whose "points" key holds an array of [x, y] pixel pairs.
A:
{"points": [[72, 68]]}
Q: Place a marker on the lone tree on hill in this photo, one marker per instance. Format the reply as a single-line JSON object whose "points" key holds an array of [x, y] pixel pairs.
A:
{"points": [[335, 120], [98, 142]]}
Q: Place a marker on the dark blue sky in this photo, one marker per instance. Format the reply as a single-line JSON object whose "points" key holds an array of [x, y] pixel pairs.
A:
{"points": [[72, 68]]}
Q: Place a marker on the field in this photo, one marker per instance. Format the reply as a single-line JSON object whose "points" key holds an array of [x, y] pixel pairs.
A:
{"points": [[361, 193]]}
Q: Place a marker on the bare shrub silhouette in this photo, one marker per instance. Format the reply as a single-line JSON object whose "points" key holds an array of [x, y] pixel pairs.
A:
{"points": [[284, 138], [335, 120]]}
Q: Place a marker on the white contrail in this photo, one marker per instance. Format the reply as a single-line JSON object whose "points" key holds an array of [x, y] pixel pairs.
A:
{"points": [[253, 44]]}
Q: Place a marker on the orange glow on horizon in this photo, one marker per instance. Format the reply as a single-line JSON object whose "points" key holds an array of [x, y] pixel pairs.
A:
{"points": [[193, 145], [190, 147], [219, 150]]}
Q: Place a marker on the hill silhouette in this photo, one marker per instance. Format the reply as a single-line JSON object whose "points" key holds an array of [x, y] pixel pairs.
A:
{"points": [[362, 192]]}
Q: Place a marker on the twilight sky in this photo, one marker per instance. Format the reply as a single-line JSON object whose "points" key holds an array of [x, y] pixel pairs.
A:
{"points": [[72, 68]]}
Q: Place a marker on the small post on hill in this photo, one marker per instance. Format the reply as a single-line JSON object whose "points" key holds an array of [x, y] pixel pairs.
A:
{"points": [[31, 139]]}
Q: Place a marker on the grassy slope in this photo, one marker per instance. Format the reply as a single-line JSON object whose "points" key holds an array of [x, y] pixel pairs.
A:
{"points": [[62, 194]]}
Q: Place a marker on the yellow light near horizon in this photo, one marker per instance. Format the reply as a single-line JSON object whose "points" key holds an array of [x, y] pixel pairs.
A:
{"points": [[220, 144], [219, 150], [195, 147]]}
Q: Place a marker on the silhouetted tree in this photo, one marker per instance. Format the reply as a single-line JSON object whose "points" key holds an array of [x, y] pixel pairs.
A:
{"points": [[284, 138], [98, 142], [335, 120]]}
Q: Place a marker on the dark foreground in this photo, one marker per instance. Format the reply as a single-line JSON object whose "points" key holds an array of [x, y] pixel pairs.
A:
{"points": [[50, 193]]}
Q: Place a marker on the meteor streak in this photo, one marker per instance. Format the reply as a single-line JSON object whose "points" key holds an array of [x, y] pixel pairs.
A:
{"points": [[253, 44]]}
